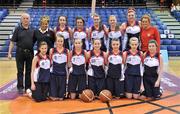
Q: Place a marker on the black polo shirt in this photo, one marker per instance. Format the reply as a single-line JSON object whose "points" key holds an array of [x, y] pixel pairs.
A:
{"points": [[23, 37], [48, 36]]}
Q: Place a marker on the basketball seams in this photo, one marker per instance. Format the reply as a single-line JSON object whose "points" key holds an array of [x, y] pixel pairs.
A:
{"points": [[87, 96], [105, 95]]}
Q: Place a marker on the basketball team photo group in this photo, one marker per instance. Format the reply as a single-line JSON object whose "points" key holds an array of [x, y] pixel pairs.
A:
{"points": [[99, 56]]}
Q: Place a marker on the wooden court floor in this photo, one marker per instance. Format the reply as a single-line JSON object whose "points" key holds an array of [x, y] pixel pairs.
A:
{"points": [[12, 103]]}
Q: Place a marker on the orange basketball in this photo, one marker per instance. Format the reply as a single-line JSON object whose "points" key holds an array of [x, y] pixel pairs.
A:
{"points": [[105, 95], [87, 95]]}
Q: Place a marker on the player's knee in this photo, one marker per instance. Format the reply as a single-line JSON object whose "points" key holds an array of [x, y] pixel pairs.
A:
{"points": [[129, 95], [135, 96]]}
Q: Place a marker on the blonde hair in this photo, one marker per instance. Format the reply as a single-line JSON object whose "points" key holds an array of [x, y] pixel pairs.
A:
{"points": [[146, 16], [44, 19]]}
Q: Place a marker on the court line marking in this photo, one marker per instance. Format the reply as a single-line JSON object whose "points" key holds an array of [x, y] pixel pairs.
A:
{"points": [[119, 106], [109, 106], [160, 109], [5, 83]]}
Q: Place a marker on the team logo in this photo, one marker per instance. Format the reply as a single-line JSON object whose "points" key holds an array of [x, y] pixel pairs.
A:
{"points": [[48, 35], [55, 57], [42, 63], [93, 61]]}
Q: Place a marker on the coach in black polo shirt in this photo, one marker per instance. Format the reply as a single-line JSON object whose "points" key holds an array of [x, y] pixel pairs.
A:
{"points": [[44, 33], [23, 36]]}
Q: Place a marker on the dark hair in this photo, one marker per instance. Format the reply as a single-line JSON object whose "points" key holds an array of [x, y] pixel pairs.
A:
{"points": [[81, 18], [64, 17], [101, 27], [115, 39], [41, 44], [131, 9]]}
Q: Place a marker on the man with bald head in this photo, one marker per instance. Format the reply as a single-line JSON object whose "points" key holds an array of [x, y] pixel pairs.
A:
{"points": [[23, 37]]}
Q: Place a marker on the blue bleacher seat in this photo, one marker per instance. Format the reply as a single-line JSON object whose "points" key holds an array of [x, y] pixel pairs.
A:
{"points": [[171, 48], [178, 48], [163, 47], [166, 42], [175, 42]]}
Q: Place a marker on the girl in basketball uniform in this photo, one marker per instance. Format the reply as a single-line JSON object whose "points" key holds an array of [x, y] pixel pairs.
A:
{"points": [[96, 71], [81, 32], [133, 60], [153, 66], [77, 77], [115, 74], [113, 32], [130, 29], [40, 74], [98, 31], [59, 58], [65, 30]]}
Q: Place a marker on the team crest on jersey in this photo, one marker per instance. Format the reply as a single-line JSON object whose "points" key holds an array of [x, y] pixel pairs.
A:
{"points": [[93, 61], [48, 35], [42, 63], [55, 57], [75, 34], [94, 34], [110, 58]]}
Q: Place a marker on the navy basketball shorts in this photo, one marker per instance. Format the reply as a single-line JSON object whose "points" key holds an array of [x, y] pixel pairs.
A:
{"points": [[57, 86], [96, 84], [132, 84], [115, 86], [77, 83], [149, 82], [41, 92]]}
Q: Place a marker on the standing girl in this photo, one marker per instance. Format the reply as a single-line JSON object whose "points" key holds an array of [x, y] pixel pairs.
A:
{"points": [[98, 31], [130, 29], [81, 32], [65, 30], [40, 74], [114, 32]]}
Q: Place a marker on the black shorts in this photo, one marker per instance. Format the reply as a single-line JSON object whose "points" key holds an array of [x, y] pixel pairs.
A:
{"points": [[115, 86], [57, 86], [150, 90], [96, 84], [76, 83], [132, 84]]}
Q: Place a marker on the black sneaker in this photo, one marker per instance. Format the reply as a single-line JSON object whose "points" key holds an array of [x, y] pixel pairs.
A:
{"points": [[20, 91]]}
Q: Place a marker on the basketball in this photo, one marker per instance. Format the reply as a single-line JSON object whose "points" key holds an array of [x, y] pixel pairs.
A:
{"points": [[105, 95], [87, 95]]}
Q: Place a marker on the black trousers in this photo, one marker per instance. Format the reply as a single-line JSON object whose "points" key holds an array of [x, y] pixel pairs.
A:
{"points": [[23, 60]]}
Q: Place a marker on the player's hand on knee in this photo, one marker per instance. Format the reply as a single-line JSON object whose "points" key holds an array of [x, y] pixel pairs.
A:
{"points": [[142, 88], [33, 87], [157, 84]]}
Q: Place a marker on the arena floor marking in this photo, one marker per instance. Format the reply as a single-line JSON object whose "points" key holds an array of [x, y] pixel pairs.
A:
{"points": [[110, 110], [170, 84], [130, 104]]}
